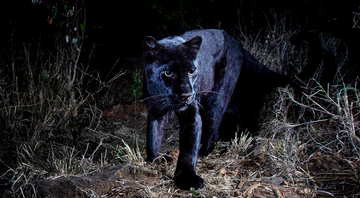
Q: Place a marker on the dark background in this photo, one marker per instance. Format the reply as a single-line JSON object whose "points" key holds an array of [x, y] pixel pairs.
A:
{"points": [[116, 29]]}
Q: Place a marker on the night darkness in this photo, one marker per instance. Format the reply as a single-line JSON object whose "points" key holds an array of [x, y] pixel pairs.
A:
{"points": [[117, 29]]}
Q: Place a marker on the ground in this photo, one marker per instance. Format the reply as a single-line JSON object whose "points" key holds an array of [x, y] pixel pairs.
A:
{"points": [[234, 169]]}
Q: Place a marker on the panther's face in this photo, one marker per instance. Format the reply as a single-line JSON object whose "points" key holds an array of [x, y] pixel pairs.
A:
{"points": [[171, 71]]}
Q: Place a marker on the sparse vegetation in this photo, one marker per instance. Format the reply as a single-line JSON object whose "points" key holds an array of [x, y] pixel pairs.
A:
{"points": [[44, 109], [52, 127]]}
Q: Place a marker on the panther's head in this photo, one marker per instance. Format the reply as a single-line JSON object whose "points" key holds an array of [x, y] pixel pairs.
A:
{"points": [[171, 68]]}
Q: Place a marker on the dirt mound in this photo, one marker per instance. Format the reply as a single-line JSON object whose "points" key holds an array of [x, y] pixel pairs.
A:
{"points": [[96, 184]]}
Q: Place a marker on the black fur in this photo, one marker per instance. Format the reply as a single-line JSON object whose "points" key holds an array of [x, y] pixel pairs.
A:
{"points": [[196, 76]]}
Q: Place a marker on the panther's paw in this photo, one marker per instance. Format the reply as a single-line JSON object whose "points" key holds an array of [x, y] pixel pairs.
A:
{"points": [[186, 181]]}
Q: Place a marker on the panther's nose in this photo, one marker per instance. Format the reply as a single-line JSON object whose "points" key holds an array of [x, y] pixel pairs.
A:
{"points": [[186, 97]]}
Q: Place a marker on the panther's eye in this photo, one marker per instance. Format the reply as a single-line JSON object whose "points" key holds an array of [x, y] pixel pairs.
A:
{"points": [[168, 73], [192, 72]]}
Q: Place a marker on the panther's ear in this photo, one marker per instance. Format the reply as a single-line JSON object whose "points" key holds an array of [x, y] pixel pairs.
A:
{"points": [[150, 45], [194, 44]]}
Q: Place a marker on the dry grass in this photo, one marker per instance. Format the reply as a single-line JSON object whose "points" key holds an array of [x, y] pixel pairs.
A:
{"points": [[317, 139], [272, 47], [308, 145], [45, 110], [310, 154]]}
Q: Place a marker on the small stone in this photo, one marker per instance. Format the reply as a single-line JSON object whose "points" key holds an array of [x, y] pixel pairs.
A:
{"points": [[305, 191], [222, 172]]}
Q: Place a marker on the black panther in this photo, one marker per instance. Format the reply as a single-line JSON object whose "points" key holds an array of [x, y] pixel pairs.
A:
{"points": [[200, 76]]}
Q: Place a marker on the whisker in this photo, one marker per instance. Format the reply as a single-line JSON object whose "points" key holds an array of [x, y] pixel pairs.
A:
{"points": [[156, 95], [206, 91], [198, 103], [163, 106]]}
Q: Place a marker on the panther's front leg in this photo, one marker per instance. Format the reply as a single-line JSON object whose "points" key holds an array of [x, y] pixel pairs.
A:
{"points": [[190, 136], [155, 131]]}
